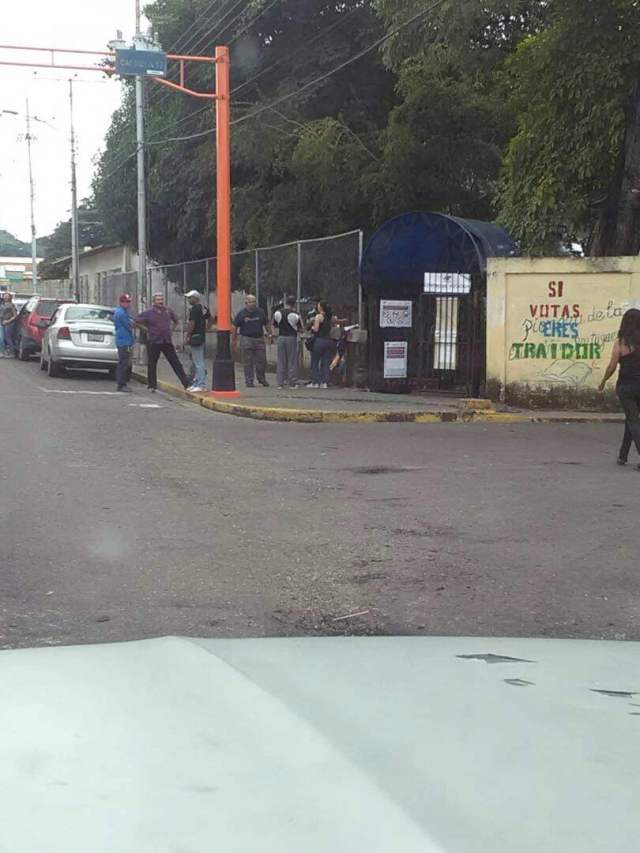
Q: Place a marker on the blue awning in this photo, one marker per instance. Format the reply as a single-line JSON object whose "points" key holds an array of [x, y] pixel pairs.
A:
{"points": [[406, 247]]}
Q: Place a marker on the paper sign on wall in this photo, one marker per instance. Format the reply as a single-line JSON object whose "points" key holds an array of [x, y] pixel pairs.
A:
{"points": [[395, 314], [395, 359]]}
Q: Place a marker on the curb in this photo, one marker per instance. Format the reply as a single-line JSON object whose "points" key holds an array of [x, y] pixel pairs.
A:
{"points": [[317, 416]]}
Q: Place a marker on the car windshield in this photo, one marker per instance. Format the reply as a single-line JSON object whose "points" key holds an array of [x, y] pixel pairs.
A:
{"points": [[89, 312], [46, 308]]}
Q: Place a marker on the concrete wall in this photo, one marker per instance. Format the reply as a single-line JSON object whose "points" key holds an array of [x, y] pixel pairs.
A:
{"points": [[551, 323]]}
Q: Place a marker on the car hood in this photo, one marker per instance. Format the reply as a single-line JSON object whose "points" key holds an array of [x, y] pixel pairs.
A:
{"points": [[306, 745]]}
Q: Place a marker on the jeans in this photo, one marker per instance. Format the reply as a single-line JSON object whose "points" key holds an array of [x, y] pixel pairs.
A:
{"points": [[321, 356], [153, 354], [123, 370], [197, 357], [1, 339], [629, 396], [254, 358], [287, 361], [9, 330]]}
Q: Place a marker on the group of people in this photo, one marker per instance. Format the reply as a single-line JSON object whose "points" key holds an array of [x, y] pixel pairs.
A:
{"points": [[250, 327], [159, 323], [8, 316]]}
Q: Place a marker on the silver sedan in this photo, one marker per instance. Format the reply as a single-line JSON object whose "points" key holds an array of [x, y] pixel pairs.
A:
{"points": [[80, 336]]}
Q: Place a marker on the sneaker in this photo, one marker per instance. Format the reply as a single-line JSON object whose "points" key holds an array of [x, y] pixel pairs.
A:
{"points": [[248, 385], [280, 387], [312, 385], [197, 389], [125, 389], [153, 390], [324, 385], [264, 383]]}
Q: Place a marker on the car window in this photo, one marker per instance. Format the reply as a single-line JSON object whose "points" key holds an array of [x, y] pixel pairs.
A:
{"points": [[31, 304], [89, 312], [47, 307]]}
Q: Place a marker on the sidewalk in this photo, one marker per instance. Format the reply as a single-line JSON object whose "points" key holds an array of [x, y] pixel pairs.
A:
{"points": [[334, 405]]}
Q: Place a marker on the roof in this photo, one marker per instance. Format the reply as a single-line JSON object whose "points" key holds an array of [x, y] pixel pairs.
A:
{"points": [[404, 248], [377, 744], [22, 261]]}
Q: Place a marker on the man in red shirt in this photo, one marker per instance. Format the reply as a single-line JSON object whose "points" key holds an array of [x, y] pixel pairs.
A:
{"points": [[160, 323]]}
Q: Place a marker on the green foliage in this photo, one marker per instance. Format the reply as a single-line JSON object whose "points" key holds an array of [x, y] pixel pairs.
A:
{"points": [[11, 247], [518, 107], [56, 247], [570, 86]]}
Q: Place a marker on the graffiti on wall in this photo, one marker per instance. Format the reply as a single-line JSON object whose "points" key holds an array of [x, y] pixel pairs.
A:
{"points": [[566, 338]]}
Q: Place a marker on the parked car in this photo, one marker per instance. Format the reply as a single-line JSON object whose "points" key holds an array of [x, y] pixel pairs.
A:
{"points": [[82, 337], [32, 323]]}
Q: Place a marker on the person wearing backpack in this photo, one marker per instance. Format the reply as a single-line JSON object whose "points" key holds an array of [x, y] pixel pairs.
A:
{"points": [[200, 321], [288, 323]]}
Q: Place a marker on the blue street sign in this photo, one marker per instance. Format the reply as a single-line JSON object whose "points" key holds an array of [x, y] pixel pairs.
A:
{"points": [[141, 63]]}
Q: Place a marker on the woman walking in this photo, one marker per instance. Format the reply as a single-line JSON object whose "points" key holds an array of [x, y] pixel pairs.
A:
{"points": [[626, 355], [323, 347]]}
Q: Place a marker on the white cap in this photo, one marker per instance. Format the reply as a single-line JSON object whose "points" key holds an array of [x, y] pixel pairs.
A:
{"points": [[192, 293]]}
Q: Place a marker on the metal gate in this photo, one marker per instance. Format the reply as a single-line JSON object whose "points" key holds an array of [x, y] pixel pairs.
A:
{"points": [[450, 333]]}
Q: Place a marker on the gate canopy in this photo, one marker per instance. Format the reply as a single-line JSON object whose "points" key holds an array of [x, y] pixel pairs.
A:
{"points": [[412, 244]]}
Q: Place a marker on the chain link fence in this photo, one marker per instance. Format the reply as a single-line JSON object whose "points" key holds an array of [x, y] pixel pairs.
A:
{"points": [[322, 268]]}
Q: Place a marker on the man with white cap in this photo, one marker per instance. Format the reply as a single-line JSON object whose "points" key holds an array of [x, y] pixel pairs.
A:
{"points": [[200, 321]]}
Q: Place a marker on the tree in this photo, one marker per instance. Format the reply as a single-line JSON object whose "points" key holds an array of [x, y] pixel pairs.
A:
{"points": [[445, 138], [298, 169], [11, 247], [572, 170], [57, 245]]}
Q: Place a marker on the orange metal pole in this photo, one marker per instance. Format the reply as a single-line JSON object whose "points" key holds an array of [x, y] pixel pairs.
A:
{"points": [[223, 177], [223, 368]]}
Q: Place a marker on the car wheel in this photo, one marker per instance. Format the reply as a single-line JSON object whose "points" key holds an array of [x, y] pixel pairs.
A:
{"points": [[22, 355], [53, 367]]}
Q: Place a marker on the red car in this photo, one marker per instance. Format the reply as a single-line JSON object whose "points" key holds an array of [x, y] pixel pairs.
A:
{"points": [[32, 323]]}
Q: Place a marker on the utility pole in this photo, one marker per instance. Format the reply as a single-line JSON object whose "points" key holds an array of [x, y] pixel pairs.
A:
{"points": [[75, 252], [34, 253], [142, 199]]}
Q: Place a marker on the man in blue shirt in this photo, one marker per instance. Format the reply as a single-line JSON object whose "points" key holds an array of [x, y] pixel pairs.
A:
{"points": [[124, 341]]}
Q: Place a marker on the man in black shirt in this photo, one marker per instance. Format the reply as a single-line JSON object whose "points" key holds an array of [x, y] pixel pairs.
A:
{"points": [[199, 322], [251, 325]]}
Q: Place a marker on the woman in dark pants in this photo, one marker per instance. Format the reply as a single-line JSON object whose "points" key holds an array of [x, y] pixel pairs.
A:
{"points": [[626, 354], [323, 347]]}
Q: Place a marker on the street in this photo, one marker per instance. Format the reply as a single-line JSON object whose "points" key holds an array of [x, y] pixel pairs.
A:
{"points": [[131, 516]]}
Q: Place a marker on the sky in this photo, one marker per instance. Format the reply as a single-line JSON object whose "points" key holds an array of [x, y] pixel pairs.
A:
{"points": [[77, 24]]}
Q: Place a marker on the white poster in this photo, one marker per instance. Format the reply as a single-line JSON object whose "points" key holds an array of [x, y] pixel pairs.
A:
{"points": [[452, 283], [395, 314], [395, 359]]}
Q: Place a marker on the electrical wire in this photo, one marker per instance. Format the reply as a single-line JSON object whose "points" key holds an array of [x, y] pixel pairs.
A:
{"points": [[350, 61], [413, 19], [299, 50]]}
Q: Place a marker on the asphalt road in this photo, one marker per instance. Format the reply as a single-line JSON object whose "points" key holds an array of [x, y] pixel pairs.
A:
{"points": [[119, 521]]}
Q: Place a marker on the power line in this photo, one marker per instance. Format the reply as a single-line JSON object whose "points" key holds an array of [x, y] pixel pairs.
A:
{"points": [[300, 89], [342, 65], [183, 38], [217, 29], [193, 24], [302, 48]]}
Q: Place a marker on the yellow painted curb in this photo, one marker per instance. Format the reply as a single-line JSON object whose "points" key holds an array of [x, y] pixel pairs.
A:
{"points": [[317, 416], [303, 416]]}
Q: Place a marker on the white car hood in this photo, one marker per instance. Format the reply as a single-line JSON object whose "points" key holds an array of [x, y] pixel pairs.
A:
{"points": [[348, 745]]}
